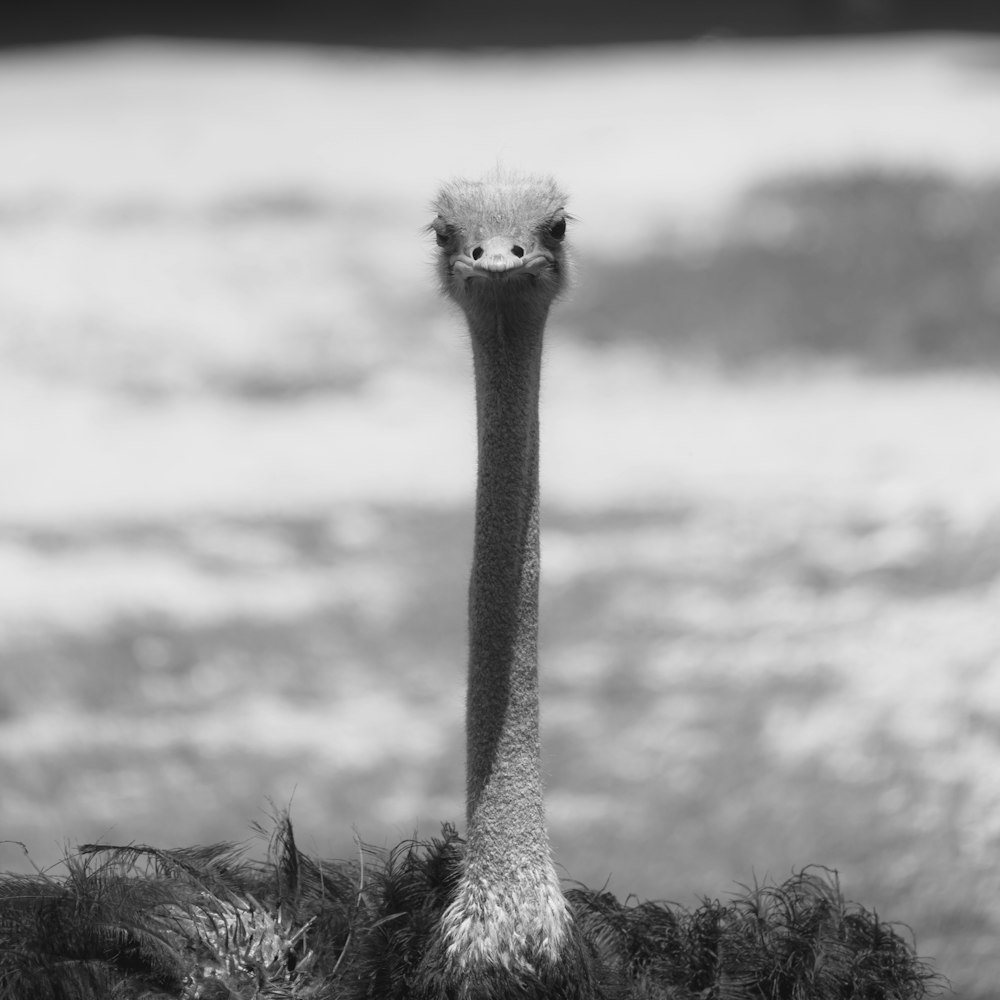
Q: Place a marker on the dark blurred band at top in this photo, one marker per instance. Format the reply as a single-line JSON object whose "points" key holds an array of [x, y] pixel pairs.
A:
{"points": [[445, 24]]}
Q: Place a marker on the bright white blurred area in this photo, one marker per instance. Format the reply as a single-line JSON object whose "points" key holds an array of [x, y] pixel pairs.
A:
{"points": [[636, 134], [649, 141], [232, 404]]}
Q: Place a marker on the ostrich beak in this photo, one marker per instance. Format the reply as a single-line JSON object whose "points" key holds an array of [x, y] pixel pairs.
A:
{"points": [[500, 256]]}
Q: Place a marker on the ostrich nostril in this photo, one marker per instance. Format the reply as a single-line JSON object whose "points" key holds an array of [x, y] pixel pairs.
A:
{"points": [[517, 251], [477, 253]]}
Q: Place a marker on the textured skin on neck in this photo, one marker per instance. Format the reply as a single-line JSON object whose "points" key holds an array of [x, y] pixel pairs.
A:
{"points": [[502, 710], [509, 911]]}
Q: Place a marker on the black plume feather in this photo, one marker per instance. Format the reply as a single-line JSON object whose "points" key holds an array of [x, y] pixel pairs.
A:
{"points": [[136, 923]]}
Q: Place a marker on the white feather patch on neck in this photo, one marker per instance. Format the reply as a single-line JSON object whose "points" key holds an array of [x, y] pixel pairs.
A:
{"points": [[516, 927]]}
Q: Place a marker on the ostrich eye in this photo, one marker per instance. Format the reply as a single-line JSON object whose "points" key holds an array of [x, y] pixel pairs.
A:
{"points": [[558, 229], [443, 233]]}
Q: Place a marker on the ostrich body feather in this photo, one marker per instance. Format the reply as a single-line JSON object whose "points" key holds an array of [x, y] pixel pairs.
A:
{"points": [[137, 923]]}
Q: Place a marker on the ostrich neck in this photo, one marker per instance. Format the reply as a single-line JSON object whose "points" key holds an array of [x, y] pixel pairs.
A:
{"points": [[506, 826], [508, 912]]}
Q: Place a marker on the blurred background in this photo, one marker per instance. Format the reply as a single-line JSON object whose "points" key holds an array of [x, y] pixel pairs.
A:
{"points": [[237, 440]]}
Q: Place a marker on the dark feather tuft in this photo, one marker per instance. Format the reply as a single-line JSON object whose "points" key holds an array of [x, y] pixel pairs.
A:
{"points": [[137, 923]]}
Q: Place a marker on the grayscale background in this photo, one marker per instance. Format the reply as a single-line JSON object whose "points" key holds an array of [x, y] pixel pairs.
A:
{"points": [[237, 438]]}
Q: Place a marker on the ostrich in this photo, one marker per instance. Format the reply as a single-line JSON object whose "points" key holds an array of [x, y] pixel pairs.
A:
{"points": [[484, 918], [502, 259]]}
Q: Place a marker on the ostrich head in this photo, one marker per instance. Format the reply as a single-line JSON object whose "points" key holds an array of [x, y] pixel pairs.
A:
{"points": [[502, 246]]}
